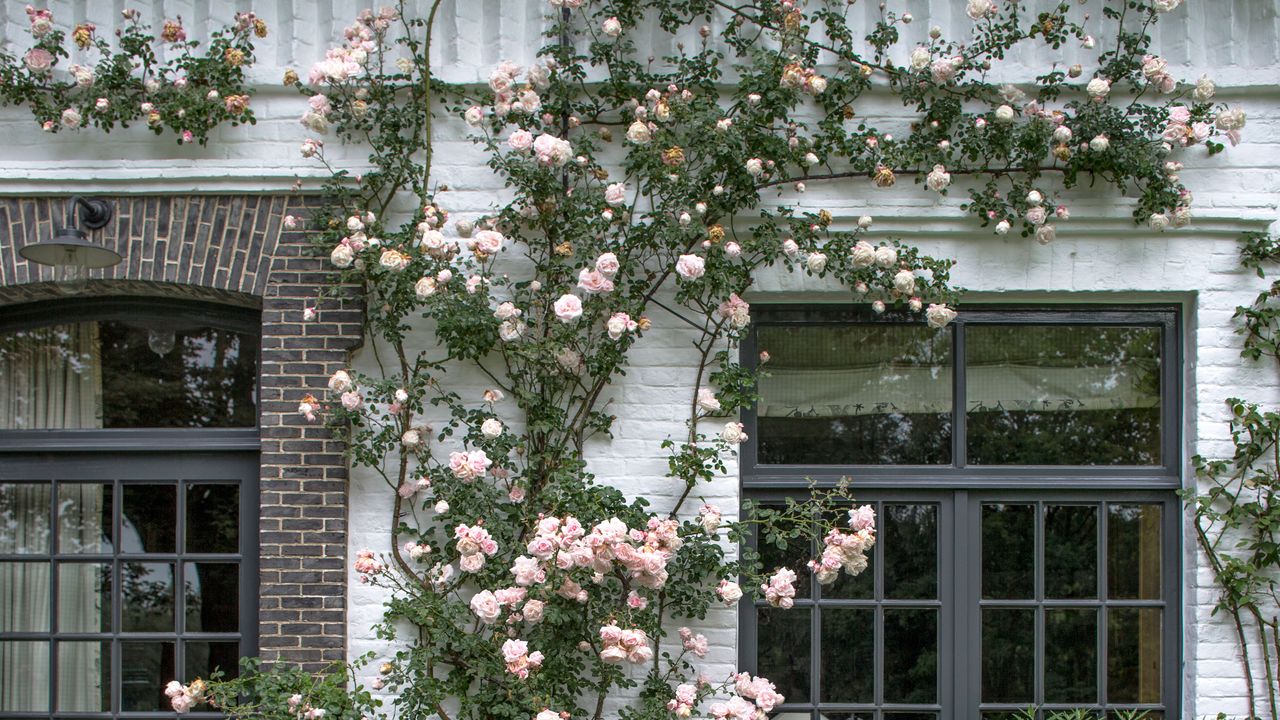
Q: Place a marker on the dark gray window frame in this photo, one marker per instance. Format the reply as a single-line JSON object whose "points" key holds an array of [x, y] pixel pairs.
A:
{"points": [[1166, 475], [968, 486], [180, 455]]}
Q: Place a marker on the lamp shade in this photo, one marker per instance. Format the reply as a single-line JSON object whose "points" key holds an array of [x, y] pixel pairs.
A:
{"points": [[70, 246]]}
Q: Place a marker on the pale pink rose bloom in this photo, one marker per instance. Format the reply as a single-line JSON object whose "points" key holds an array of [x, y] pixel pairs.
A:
{"points": [[351, 400], [615, 194], [594, 282], [607, 264], [38, 60], [691, 267], [568, 308], [485, 606], [520, 140], [533, 611]]}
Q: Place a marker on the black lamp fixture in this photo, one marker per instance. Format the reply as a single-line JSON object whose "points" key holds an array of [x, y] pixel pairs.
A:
{"points": [[69, 251]]}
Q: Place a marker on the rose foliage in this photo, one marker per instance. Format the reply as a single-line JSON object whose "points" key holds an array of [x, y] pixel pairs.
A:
{"points": [[165, 82], [648, 192]]}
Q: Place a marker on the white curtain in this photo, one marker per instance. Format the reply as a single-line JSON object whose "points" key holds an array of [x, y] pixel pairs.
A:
{"points": [[50, 378]]}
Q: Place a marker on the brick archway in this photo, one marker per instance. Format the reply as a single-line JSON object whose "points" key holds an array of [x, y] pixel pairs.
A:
{"points": [[234, 249]]}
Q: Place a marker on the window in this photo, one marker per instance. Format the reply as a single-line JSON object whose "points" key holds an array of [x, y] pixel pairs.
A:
{"points": [[128, 503], [1023, 468]]}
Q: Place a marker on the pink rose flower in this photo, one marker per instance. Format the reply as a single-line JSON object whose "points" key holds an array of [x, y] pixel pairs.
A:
{"points": [[568, 308]]}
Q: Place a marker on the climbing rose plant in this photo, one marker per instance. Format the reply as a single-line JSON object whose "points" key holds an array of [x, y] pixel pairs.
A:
{"points": [[189, 92], [648, 193]]}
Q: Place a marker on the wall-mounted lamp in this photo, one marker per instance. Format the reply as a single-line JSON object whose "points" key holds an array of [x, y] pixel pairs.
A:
{"points": [[69, 250]]}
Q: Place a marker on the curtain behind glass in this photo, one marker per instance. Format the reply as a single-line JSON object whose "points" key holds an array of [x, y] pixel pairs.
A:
{"points": [[50, 378]]}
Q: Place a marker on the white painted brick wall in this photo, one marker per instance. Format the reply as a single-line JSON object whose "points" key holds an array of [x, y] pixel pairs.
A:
{"points": [[1099, 256]]}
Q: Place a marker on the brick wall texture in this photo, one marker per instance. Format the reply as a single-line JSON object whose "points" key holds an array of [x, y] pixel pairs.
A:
{"points": [[235, 249]]}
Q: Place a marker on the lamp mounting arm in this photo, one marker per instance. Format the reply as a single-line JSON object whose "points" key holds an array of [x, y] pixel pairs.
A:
{"points": [[95, 213]]}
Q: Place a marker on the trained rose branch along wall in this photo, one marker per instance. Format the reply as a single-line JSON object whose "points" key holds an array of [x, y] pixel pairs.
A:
{"points": [[234, 249], [1099, 255]]}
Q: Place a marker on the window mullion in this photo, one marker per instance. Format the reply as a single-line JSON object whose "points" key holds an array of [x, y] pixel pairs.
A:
{"points": [[959, 443]]}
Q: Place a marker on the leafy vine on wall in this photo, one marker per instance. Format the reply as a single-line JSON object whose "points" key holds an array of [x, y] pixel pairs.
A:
{"points": [[167, 82]]}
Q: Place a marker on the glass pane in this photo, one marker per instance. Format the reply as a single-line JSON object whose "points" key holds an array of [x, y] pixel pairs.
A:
{"points": [[146, 597], [1008, 551], [794, 556], [24, 518], [848, 650], [1071, 655], [829, 715], [213, 518], [911, 657], [169, 373], [24, 597], [84, 597], [783, 654], [51, 378], [1133, 655], [1063, 395], [1070, 551], [910, 716], [855, 394], [84, 512], [212, 597], [1008, 655], [910, 551], [26, 685], [149, 522], [141, 372], [145, 668], [203, 657], [84, 676], [1133, 550]]}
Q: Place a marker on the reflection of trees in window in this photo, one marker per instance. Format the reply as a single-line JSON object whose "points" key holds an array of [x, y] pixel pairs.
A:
{"points": [[207, 380], [856, 394], [1060, 394]]}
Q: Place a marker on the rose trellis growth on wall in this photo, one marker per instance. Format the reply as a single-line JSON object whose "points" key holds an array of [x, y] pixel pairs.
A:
{"points": [[646, 192]]}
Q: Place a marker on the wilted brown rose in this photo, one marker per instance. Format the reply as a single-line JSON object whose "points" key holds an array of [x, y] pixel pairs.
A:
{"points": [[884, 177]]}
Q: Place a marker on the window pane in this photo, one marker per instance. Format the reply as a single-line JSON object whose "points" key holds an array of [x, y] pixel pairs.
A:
{"points": [[855, 394], [911, 656], [1133, 655], [84, 513], [1008, 655], [910, 551], [212, 597], [1063, 395], [26, 686], [828, 715], [783, 655], [143, 372], [213, 518], [84, 597], [203, 657], [24, 597], [84, 676], [51, 378], [1070, 551], [149, 522], [1008, 551], [1071, 655], [1133, 549], [24, 518], [794, 556], [146, 597], [848, 655], [145, 668]]}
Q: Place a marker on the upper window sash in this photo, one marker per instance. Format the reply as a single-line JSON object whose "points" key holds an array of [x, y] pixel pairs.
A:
{"points": [[957, 468]]}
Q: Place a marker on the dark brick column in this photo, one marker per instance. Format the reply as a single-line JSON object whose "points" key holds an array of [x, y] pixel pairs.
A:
{"points": [[304, 475]]}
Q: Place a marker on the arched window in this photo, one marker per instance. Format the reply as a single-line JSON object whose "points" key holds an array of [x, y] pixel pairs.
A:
{"points": [[128, 501]]}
